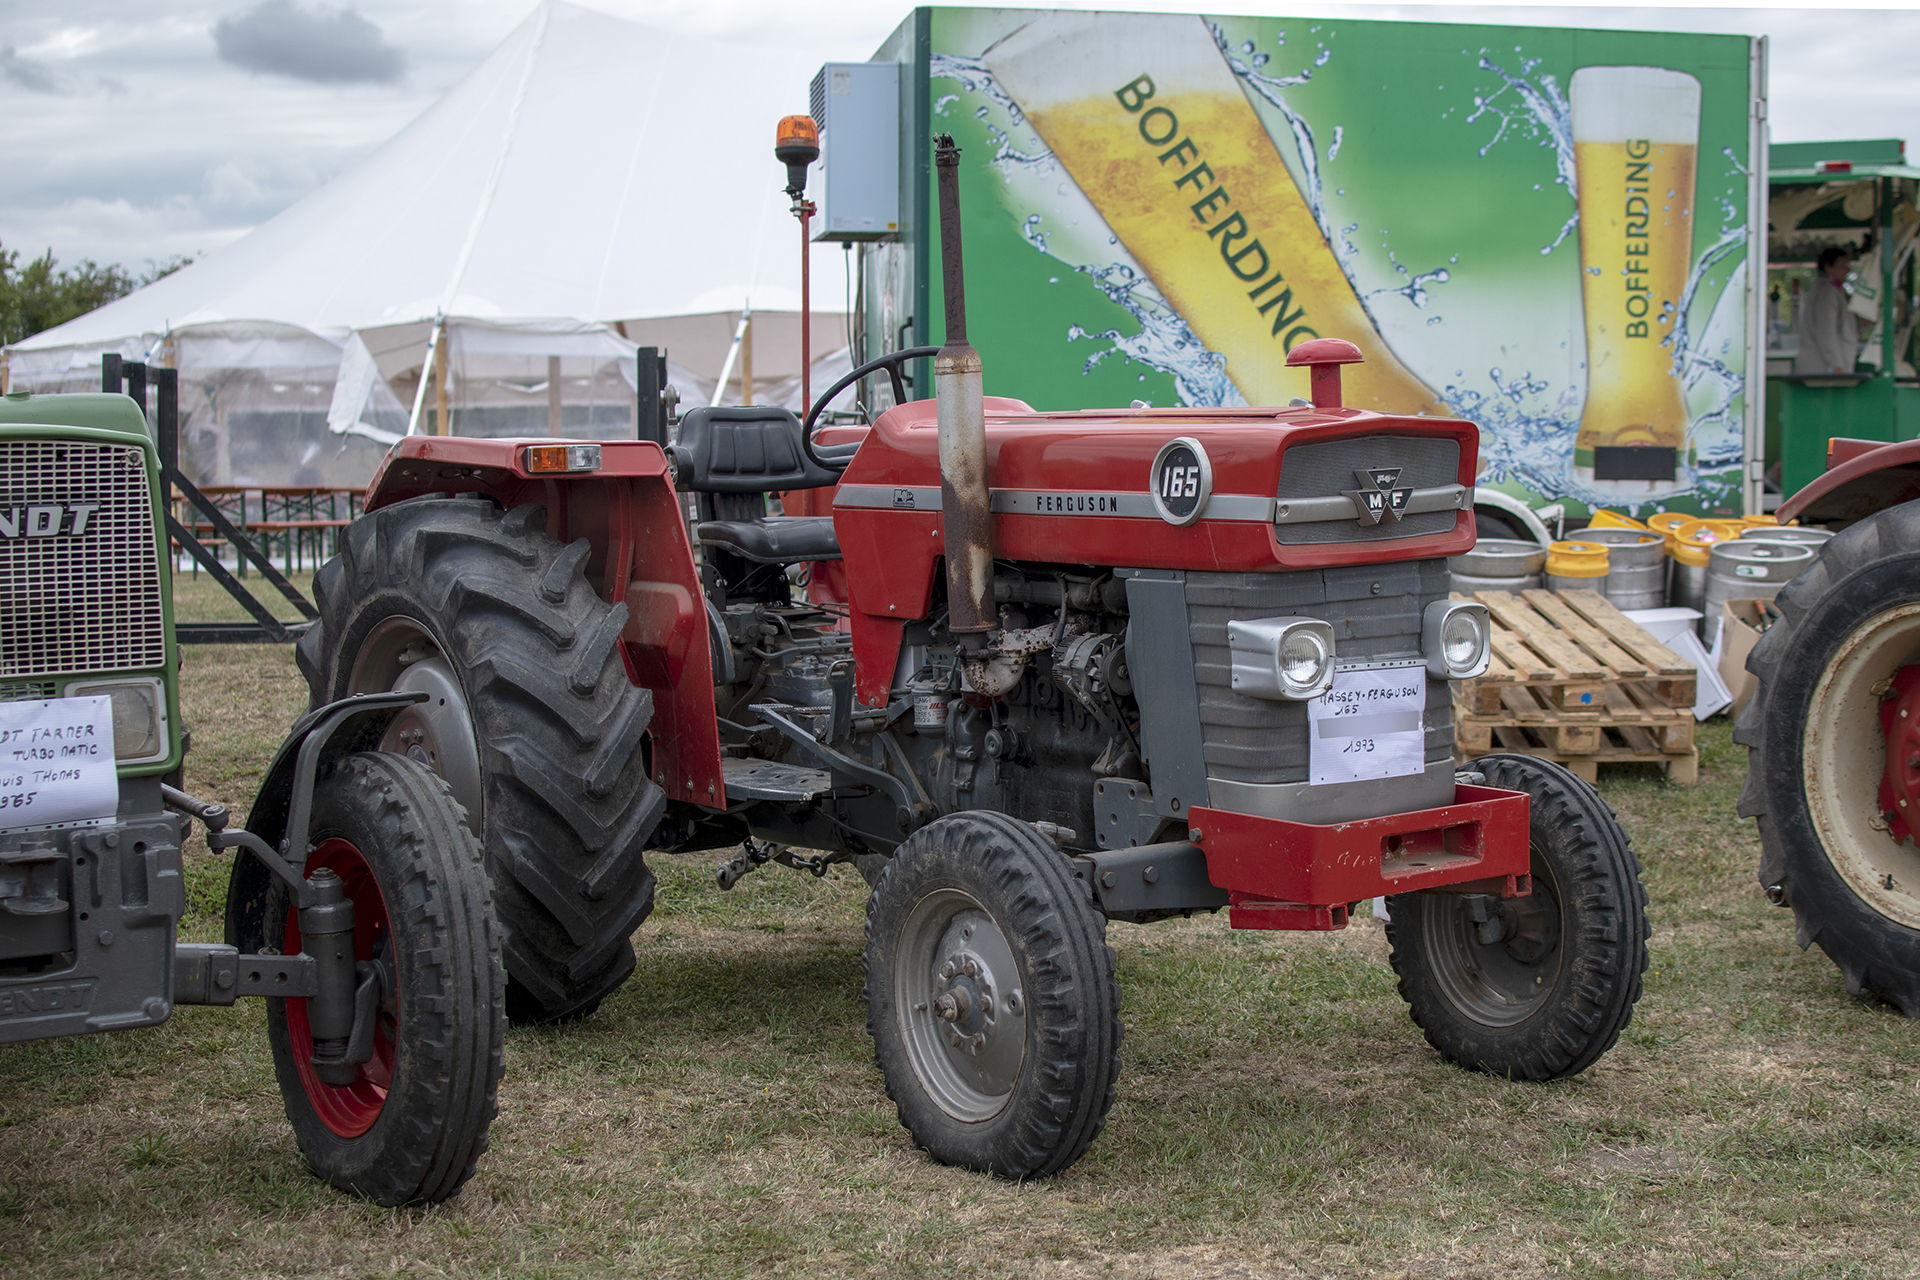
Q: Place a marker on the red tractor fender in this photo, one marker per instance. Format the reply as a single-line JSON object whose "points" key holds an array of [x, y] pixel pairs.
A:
{"points": [[1862, 477], [629, 512]]}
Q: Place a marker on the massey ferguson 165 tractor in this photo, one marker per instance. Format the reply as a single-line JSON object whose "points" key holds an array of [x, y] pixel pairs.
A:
{"points": [[1834, 725], [1099, 665]]}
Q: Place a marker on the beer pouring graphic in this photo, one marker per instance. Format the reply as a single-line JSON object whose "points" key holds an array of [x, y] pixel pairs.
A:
{"points": [[1182, 170], [1635, 134]]}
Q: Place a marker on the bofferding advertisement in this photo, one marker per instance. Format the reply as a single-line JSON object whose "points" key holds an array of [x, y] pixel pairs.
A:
{"points": [[1543, 231]]}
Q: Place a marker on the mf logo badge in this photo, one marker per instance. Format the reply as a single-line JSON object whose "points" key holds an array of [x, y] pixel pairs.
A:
{"points": [[1379, 499], [1182, 481], [47, 521], [903, 498]]}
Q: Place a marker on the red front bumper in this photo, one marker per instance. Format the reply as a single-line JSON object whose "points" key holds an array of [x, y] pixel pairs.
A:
{"points": [[1294, 875]]}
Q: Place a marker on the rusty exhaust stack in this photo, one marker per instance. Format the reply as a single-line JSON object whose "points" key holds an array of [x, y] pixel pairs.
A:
{"points": [[963, 431]]}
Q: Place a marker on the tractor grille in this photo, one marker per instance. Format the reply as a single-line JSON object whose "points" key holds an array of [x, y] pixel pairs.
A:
{"points": [[1255, 740], [1326, 469], [85, 601]]}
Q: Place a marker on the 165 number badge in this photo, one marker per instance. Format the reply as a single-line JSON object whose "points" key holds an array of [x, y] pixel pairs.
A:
{"points": [[1182, 481]]}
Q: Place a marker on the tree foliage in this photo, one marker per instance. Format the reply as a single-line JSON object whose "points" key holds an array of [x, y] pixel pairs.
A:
{"points": [[43, 294]]}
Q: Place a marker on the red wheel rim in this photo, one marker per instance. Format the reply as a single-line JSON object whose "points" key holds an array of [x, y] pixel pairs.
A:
{"points": [[348, 1110]]}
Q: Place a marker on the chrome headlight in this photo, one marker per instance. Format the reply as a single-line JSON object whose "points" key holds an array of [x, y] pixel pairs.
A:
{"points": [[1457, 638], [139, 716], [1281, 658]]}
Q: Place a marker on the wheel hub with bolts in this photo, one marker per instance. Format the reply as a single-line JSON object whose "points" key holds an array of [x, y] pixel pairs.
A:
{"points": [[1900, 784], [1862, 786], [966, 1017], [968, 1005]]}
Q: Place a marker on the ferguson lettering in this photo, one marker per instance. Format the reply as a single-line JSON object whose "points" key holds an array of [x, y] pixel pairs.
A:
{"points": [[1214, 213]]}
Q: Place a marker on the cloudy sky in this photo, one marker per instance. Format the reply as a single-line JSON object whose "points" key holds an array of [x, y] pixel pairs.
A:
{"points": [[135, 131]]}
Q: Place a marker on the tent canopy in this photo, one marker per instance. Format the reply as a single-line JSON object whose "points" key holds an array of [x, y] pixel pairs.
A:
{"points": [[591, 171]]}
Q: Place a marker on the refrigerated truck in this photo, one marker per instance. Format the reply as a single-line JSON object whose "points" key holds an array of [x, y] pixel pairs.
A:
{"points": [[1547, 231]]}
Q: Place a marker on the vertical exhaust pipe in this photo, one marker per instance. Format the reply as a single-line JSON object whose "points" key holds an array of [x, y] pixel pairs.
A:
{"points": [[963, 431]]}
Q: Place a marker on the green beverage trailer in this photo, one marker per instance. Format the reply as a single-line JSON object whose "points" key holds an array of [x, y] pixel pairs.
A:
{"points": [[1858, 197]]}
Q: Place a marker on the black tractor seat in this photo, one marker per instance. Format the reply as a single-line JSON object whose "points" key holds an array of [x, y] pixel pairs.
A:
{"points": [[773, 539], [747, 449]]}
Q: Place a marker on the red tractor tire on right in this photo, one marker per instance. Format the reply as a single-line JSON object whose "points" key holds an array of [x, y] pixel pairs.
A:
{"points": [[1817, 755]]}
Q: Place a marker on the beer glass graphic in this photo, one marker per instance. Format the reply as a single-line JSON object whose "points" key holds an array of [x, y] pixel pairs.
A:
{"points": [[1635, 134], [1179, 165]]}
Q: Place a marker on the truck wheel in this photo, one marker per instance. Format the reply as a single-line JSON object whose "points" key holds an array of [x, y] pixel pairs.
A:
{"points": [[532, 721], [991, 997], [1839, 690], [415, 1122], [1532, 988]]}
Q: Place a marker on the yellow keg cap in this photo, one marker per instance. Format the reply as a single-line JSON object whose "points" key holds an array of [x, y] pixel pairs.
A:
{"points": [[1727, 529], [1692, 541], [1759, 522], [1613, 520], [1577, 560], [1666, 522]]}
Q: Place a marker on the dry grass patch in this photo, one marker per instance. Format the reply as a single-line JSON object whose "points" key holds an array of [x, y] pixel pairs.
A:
{"points": [[1279, 1116]]}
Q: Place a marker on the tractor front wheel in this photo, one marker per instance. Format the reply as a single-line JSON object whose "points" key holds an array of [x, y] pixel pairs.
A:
{"points": [[412, 1123], [1537, 987], [991, 997]]}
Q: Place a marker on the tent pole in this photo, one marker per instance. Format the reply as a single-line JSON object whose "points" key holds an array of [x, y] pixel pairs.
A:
{"points": [[420, 392], [441, 427], [733, 354], [746, 364]]}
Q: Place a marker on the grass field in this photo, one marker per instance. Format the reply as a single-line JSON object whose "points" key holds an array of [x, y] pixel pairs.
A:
{"points": [[1278, 1113]]}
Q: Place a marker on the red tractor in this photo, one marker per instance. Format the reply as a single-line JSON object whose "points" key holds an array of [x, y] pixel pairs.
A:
{"points": [[1833, 773], [1099, 665]]}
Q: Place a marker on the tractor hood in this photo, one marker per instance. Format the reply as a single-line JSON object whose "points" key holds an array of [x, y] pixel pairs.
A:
{"points": [[1204, 489]]}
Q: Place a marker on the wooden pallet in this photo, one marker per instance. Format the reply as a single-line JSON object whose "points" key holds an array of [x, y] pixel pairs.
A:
{"points": [[1683, 768], [1572, 645], [1574, 680]]}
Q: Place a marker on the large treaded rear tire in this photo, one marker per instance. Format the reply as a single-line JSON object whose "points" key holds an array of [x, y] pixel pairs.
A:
{"points": [[566, 804], [1817, 752], [1017, 1081], [1552, 995]]}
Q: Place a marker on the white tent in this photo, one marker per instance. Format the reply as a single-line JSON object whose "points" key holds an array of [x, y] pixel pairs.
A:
{"points": [[592, 186]]}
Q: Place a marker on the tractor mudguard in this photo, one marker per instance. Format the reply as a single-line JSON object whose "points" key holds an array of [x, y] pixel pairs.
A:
{"points": [[626, 508], [339, 730], [1862, 477]]}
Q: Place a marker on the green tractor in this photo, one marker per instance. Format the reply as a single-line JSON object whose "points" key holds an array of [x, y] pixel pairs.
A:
{"points": [[372, 934]]}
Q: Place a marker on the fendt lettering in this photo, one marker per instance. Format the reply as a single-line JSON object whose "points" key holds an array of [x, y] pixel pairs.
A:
{"points": [[47, 520]]}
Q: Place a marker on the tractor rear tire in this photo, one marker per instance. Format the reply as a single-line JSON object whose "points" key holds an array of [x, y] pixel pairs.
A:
{"points": [[1818, 754], [991, 997], [1552, 993], [414, 1122], [532, 721]]}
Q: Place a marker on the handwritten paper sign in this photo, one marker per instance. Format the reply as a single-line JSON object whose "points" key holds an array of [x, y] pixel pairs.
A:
{"points": [[1370, 724], [56, 762]]}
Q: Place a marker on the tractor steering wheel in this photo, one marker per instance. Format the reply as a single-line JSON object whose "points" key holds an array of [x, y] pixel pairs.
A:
{"points": [[891, 362]]}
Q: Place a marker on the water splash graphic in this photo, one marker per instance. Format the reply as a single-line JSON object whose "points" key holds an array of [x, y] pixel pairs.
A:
{"points": [[1545, 114], [1164, 341]]}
